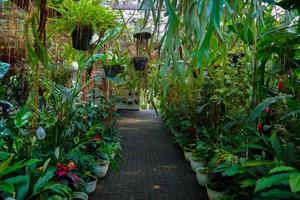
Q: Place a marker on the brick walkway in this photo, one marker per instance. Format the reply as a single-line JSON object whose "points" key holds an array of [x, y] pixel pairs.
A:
{"points": [[154, 166]]}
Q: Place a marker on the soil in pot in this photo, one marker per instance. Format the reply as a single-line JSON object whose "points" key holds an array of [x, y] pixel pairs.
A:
{"points": [[81, 38], [112, 71], [139, 63], [100, 169]]}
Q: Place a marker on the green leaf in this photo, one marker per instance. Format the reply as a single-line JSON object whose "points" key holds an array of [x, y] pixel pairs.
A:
{"points": [[43, 180], [267, 182], [22, 117], [6, 187], [281, 169], [4, 165], [248, 183], [276, 146], [3, 69], [295, 182], [266, 103], [256, 163], [280, 194]]}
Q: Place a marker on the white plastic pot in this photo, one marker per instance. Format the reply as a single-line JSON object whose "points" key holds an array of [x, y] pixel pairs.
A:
{"points": [[187, 155], [214, 195], [80, 195], [100, 169], [90, 187], [201, 177], [196, 164]]}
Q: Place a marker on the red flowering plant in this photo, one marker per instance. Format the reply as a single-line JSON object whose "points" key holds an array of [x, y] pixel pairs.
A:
{"points": [[266, 121], [66, 174]]}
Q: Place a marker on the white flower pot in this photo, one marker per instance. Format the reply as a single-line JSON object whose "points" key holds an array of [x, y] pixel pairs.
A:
{"points": [[91, 186], [80, 195], [214, 195], [201, 177], [100, 169], [196, 164], [187, 155]]}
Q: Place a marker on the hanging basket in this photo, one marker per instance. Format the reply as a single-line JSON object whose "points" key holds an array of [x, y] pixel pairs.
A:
{"points": [[139, 63], [81, 38], [112, 70]]}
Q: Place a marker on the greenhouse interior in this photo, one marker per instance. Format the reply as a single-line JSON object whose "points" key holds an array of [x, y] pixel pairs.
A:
{"points": [[149, 99]]}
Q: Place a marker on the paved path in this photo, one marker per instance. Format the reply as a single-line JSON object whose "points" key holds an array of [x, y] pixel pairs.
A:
{"points": [[154, 166]]}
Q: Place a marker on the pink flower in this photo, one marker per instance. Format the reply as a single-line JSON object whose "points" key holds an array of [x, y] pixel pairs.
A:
{"points": [[71, 165], [191, 130], [260, 127], [97, 138], [268, 110], [75, 178]]}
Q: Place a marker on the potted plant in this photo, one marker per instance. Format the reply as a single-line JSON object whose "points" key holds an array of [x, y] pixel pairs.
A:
{"points": [[80, 196], [197, 160], [113, 64], [188, 152], [139, 62], [90, 181], [201, 174], [216, 186], [81, 19], [100, 169]]}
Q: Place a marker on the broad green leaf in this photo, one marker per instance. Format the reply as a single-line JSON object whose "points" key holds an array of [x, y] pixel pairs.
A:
{"points": [[276, 146], [248, 183], [280, 194], [4, 165], [6, 187], [281, 169], [43, 180], [233, 171], [266, 103], [22, 117], [256, 163], [267, 182], [295, 182]]}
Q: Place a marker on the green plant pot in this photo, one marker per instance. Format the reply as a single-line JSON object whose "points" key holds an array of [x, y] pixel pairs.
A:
{"points": [[100, 169], [214, 195], [201, 176], [81, 38], [196, 164]]}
